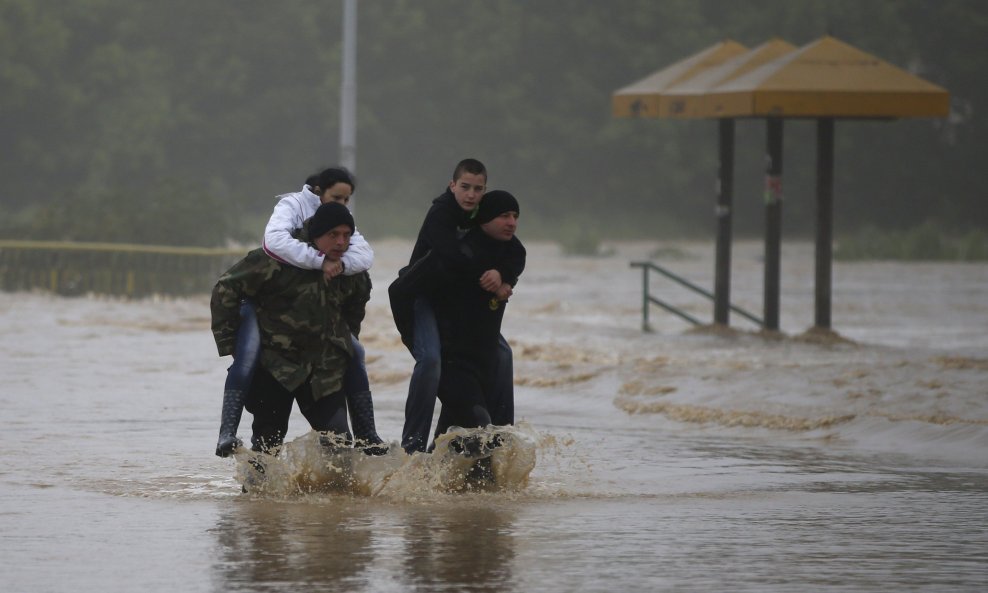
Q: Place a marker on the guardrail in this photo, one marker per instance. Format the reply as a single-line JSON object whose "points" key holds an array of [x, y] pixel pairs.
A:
{"points": [[118, 269], [648, 298]]}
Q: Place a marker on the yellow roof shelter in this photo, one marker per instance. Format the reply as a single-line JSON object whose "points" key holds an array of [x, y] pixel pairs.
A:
{"points": [[689, 99], [644, 97], [827, 78]]}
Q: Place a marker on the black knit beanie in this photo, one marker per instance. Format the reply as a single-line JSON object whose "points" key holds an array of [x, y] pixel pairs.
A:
{"points": [[329, 216], [495, 203]]}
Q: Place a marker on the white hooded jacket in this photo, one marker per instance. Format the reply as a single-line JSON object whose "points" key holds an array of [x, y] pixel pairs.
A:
{"points": [[289, 213]]}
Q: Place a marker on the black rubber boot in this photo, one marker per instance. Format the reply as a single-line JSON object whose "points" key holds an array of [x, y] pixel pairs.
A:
{"points": [[469, 446], [361, 408], [475, 446], [233, 409]]}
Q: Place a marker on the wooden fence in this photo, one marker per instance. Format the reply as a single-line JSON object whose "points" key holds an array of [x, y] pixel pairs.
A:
{"points": [[112, 268]]}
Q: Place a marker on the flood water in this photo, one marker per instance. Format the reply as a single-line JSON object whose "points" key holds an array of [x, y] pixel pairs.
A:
{"points": [[675, 460]]}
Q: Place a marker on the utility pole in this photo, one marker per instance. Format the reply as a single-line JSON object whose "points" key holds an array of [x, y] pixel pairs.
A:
{"points": [[348, 90]]}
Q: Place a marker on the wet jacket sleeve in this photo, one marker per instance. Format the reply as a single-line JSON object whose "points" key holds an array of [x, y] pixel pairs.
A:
{"points": [[278, 241], [514, 262], [440, 231], [359, 257]]}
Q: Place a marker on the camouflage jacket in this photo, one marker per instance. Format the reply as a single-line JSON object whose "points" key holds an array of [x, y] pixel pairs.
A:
{"points": [[305, 321]]}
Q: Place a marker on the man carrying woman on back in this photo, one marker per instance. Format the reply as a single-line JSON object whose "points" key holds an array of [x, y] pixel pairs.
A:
{"points": [[333, 184]]}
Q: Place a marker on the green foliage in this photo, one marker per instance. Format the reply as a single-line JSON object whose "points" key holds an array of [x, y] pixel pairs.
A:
{"points": [[100, 97], [929, 241], [167, 214]]}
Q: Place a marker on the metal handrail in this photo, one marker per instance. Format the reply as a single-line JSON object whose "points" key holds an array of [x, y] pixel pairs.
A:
{"points": [[647, 297]]}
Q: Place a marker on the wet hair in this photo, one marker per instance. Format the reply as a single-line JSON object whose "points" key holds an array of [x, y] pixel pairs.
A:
{"points": [[469, 166], [329, 177]]}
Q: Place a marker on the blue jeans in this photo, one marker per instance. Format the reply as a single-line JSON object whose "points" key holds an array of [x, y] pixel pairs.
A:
{"points": [[501, 398], [424, 384], [246, 352], [355, 380], [423, 387]]}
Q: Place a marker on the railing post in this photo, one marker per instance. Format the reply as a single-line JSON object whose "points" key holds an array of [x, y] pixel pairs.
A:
{"points": [[645, 300]]}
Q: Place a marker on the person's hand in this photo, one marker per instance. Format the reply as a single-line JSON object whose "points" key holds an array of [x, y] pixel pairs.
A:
{"points": [[331, 269], [504, 293], [491, 280]]}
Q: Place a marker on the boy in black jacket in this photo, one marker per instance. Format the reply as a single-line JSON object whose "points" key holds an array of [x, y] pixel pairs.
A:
{"points": [[448, 220]]}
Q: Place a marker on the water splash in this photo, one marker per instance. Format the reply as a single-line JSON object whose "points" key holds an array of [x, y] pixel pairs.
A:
{"points": [[501, 459]]}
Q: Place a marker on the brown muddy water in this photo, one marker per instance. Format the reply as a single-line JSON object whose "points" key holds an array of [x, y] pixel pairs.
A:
{"points": [[677, 460]]}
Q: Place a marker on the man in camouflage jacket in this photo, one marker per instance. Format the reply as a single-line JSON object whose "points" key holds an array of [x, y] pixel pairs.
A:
{"points": [[305, 324]]}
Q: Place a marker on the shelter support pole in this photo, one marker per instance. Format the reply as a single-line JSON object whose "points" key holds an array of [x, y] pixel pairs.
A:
{"points": [[725, 195], [773, 222], [824, 218]]}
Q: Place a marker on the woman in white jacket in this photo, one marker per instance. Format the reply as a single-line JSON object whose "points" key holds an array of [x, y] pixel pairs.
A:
{"points": [[332, 184], [293, 209]]}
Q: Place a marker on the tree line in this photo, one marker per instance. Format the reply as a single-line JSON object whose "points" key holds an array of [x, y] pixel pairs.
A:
{"points": [[179, 122]]}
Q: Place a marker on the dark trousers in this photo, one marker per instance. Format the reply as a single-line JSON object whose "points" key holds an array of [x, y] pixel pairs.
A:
{"points": [[464, 399], [271, 405], [424, 384]]}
